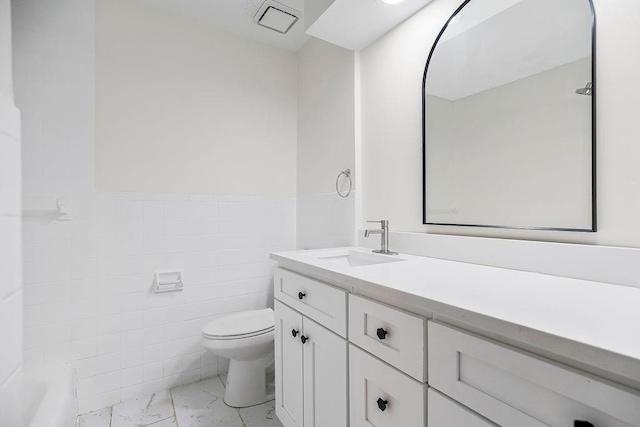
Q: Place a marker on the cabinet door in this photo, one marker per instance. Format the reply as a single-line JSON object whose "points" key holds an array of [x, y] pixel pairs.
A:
{"points": [[444, 412], [382, 396], [288, 361], [514, 388], [325, 377]]}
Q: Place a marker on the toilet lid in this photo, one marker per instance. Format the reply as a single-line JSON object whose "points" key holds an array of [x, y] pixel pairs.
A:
{"points": [[239, 324]]}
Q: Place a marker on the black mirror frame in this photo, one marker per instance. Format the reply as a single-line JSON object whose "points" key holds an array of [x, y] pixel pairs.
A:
{"points": [[594, 200]]}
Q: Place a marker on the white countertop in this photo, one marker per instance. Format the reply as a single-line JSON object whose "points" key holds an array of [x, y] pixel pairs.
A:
{"points": [[595, 314]]}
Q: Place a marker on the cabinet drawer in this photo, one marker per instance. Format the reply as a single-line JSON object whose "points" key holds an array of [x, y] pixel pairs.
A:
{"points": [[394, 336], [511, 387], [444, 412], [321, 302], [381, 396]]}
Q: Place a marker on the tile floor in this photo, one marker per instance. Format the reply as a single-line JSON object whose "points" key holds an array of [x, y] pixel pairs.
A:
{"points": [[193, 405]]}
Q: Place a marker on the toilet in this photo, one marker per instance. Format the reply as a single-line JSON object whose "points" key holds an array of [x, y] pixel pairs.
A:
{"points": [[246, 339]]}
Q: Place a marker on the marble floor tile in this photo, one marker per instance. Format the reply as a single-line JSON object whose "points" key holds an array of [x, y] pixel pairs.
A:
{"points": [[201, 405], [169, 422], [260, 415], [143, 411], [99, 418], [223, 378]]}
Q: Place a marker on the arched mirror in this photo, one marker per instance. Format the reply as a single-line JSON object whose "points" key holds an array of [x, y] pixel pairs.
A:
{"points": [[509, 117]]}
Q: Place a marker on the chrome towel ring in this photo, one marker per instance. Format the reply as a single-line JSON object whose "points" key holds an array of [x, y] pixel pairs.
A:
{"points": [[346, 173]]}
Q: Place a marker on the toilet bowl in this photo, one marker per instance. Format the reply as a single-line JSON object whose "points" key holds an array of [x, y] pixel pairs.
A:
{"points": [[246, 339]]}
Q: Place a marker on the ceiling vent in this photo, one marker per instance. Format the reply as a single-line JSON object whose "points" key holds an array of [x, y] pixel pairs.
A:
{"points": [[276, 17]]}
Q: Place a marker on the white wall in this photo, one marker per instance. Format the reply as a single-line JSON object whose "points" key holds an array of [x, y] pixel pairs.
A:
{"points": [[326, 144], [87, 281], [183, 107], [10, 207], [391, 82], [6, 80]]}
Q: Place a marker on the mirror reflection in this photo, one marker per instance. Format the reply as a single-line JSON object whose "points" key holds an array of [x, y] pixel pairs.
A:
{"points": [[509, 130]]}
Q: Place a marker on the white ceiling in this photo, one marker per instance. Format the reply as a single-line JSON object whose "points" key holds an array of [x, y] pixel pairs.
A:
{"points": [[354, 24], [236, 16], [486, 47]]}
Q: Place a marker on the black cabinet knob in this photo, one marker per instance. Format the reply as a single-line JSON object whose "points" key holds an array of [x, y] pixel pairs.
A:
{"points": [[578, 423], [304, 339], [381, 333], [382, 404], [301, 295], [294, 333]]}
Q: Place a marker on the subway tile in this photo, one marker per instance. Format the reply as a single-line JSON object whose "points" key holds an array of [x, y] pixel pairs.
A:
{"points": [[174, 226], [209, 209], [201, 197], [83, 329], [152, 371], [171, 381], [32, 252], [154, 317], [132, 209], [111, 343], [153, 210], [154, 353], [129, 393], [131, 339], [175, 197], [85, 348], [174, 209], [10, 335], [191, 361], [132, 357], [131, 376], [93, 366], [152, 386], [153, 335], [57, 271]]}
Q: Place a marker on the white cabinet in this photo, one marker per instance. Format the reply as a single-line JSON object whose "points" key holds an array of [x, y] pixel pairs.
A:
{"points": [[395, 336], [382, 396], [311, 372], [288, 357], [444, 412], [514, 388], [323, 303], [379, 378], [325, 377]]}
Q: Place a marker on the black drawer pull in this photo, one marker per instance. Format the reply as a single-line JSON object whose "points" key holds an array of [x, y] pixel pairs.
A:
{"points": [[304, 339], [381, 333], [301, 295], [382, 404], [578, 423], [294, 333]]}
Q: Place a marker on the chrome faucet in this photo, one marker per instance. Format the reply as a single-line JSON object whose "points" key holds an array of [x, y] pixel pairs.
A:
{"points": [[383, 231]]}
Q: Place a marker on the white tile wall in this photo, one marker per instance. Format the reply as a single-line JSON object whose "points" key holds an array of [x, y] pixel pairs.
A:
{"points": [[10, 271], [87, 281], [88, 284], [325, 221]]}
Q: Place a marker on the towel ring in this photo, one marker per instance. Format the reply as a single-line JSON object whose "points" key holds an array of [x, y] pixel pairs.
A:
{"points": [[347, 173]]}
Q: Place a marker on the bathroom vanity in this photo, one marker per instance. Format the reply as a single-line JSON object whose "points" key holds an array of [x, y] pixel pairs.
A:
{"points": [[386, 341]]}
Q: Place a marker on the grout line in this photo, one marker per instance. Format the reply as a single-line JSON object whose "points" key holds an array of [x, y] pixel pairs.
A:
{"points": [[240, 416], [173, 405]]}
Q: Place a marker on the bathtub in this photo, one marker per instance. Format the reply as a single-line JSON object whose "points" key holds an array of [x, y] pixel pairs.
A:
{"points": [[49, 397]]}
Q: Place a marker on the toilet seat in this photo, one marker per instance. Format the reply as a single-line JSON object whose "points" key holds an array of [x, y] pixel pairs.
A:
{"points": [[236, 337], [240, 325]]}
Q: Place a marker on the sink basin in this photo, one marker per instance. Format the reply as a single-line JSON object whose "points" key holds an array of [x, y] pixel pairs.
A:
{"points": [[352, 258]]}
